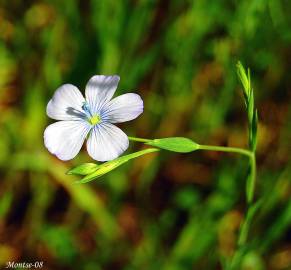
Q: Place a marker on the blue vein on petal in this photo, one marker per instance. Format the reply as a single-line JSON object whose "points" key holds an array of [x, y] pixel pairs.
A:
{"points": [[105, 114]]}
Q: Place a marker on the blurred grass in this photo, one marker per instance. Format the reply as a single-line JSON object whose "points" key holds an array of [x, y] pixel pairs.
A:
{"points": [[166, 211]]}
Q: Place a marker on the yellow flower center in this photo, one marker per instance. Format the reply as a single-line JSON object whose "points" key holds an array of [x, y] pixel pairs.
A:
{"points": [[94, 120]]}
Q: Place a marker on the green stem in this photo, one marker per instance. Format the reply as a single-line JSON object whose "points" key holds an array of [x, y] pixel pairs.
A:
{"points": [[252, 181], [244, 230], [245, 226], [250, 213], [251, 155], [226, 149], [138, 139]]}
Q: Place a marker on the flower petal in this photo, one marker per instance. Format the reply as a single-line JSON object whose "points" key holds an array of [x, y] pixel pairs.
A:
{"points": [[99, 90], [66, 103], [123, 108], [65, 138], [106, 142]]}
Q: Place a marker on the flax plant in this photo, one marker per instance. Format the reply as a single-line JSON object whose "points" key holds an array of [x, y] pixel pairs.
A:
{"points": [[92, 171]]}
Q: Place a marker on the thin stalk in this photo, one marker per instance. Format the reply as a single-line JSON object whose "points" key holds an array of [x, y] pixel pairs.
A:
{"points": [[245, 226], [226, 149], [249, 154], [252, 181], [138, 139], [250, 213]]}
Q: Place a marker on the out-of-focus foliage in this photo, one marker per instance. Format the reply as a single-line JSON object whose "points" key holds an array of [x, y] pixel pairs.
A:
{"points": [[161, 211]]}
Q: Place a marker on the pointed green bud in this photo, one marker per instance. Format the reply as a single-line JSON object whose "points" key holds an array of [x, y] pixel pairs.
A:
{"points": [[112, 164], [84, 169], [103, 169], [175, 144]]}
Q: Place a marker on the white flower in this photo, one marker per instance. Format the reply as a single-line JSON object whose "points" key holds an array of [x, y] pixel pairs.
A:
{"points": [[92, 117]]}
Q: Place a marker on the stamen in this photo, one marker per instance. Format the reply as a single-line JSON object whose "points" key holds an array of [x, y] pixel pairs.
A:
{"points": [[95, 119]]}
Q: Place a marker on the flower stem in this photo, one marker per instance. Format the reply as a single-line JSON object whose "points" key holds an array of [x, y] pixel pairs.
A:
{"points": [[226, 149], [250, 214], [138, 139], [252, 181], [245, 226]]}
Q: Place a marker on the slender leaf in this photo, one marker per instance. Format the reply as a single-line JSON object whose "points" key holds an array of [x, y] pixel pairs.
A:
{"points": [[244, 79]]}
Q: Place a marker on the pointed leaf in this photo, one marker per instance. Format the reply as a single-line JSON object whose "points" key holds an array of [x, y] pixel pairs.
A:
{"points": [[246, 225], [244, 78]]}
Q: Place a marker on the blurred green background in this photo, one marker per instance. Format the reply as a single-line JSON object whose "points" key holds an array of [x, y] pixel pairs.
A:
{"points": [[161, 211]]}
